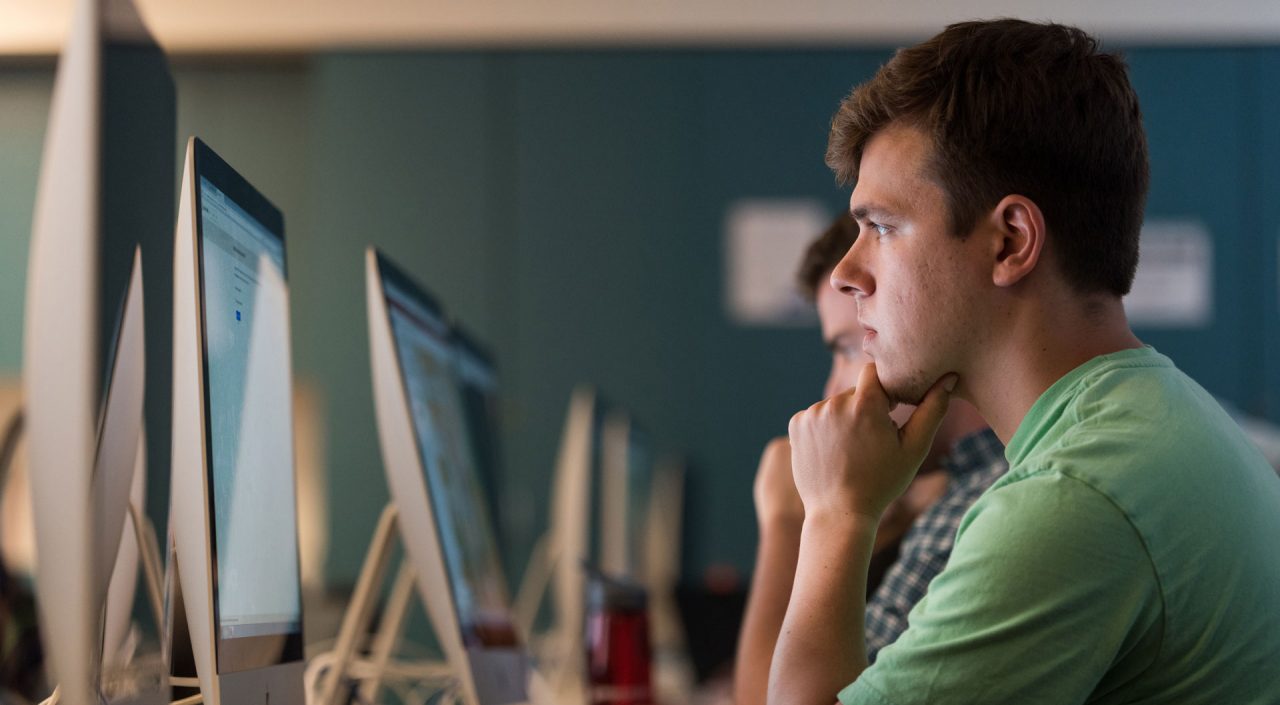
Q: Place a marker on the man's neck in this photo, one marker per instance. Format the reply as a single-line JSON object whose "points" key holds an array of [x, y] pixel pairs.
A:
{"points": [[1039, 347], [962, 420]]}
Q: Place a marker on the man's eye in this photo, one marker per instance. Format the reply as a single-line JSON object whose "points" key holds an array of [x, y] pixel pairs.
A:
{"points": [[880, 229]]}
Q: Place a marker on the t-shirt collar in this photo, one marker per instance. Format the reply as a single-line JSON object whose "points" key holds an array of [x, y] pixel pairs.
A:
{"points": [[1045, 412]]}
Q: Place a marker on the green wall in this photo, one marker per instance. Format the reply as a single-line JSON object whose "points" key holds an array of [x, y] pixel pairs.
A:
{"points": [[568, 207]]}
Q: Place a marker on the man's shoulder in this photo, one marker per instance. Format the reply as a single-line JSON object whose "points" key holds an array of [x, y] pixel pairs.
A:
{"points": [[1044, 498], [1132, 422]]}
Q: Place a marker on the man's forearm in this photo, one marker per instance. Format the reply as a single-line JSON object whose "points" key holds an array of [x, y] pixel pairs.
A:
{"points": [[766, 607], [821, 647]]}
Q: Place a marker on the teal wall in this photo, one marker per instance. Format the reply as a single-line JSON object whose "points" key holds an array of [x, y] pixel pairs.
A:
{"points": [[568, 207], [24, 105], [1265, 145]]}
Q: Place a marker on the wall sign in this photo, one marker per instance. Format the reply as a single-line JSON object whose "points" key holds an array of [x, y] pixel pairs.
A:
{"points": [[764, 240], [1174, 284]]}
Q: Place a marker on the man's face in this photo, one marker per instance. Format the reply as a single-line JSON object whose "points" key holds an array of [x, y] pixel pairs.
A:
{"points": [[918, 288], [842, 335], [838, 315]]}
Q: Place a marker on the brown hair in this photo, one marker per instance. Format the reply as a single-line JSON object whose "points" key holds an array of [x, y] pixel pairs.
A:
{"points": [[1017, 107], [824, 253]]}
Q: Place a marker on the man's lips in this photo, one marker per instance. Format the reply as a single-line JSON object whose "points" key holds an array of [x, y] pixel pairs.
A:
{"points": [[868, 336]]}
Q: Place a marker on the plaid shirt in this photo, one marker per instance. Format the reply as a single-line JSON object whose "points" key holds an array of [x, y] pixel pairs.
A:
{"points": [[975, 462]]}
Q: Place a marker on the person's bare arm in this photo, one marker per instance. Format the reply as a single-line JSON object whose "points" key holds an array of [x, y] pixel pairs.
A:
{"points": [[780, 516], [849, 461]]}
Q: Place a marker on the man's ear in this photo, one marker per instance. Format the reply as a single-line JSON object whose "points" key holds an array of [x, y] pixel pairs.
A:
{"points": [[1020, 238]]}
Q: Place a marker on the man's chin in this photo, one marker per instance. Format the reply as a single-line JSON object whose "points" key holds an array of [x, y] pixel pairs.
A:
{"points": [[908, 391]]}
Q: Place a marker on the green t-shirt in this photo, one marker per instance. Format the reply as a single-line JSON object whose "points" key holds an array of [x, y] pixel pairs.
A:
{"points": [[1129, 555]]}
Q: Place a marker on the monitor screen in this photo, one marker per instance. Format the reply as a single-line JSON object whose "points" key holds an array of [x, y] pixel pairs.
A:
{"points": [[599, 511], [248, 411], [427, 355], [640, 463], [478, 384]]}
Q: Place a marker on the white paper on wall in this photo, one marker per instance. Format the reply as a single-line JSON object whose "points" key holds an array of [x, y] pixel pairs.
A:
{"points": [[1174, 284], [764, 240]]}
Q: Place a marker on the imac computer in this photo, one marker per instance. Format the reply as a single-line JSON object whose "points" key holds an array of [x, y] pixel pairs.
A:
{"points": [[601, 518], [104, 207], [435, 486], [233, 562], [580, 534], [625, 475]]}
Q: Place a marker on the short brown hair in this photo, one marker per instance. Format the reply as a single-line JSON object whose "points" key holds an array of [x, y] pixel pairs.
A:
{"points": [[824, 253], [1018, 107]]}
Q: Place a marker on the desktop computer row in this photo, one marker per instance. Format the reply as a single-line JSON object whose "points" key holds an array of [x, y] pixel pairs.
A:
{"points": [[228, 598]]}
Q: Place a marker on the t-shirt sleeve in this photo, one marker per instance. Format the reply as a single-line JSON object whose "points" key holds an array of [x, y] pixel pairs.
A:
{"points": [[1048, 588]]}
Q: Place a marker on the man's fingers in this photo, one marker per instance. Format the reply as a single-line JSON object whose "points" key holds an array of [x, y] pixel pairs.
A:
{"points": [[919, 430], [869, 395], [778, 450], [795, 424]]}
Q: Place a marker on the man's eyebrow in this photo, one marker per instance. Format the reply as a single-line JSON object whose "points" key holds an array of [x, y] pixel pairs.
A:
{"points": [[870, 210]]}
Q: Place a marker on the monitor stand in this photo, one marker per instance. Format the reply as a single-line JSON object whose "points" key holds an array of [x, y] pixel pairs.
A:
{"points": [[251, 686], [560, 675], [332, 674]]}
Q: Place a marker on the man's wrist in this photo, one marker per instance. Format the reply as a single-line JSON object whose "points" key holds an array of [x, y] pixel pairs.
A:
{"points": [[781, 524], [840, 520]]}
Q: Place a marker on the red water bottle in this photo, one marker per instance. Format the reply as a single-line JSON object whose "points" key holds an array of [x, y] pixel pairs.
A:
{"points": [[618, 658]]}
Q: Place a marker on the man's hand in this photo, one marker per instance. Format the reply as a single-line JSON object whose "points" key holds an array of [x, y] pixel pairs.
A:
{"points": [[850, 461], [848, 456], [777, 501]]}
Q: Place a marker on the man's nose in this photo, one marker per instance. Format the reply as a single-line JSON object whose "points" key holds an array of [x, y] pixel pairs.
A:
{"points": [[850, 276]]}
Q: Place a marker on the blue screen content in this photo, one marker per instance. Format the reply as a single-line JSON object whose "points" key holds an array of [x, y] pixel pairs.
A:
{"points": [[250, 421], [478, 385], [429, 366]]}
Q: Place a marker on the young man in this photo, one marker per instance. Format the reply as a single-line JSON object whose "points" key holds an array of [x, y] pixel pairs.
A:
{"points": [[1000, 175], [965, 458]]}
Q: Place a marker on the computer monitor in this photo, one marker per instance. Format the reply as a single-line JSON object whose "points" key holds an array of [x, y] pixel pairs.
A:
{"points": [[442, 514], [117, 612], [609, 489], [234, 545], [105, 190], [103, 585], [662, 557], [600, 509], [576, 538], [557, 559], [625, 476], [119, 473]]}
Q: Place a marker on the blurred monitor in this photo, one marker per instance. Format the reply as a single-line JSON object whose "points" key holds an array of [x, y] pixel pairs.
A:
{"points": [[478, 385], [640, 485], [432, 470], [104, 207], [599, 520], [624, 475]]}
